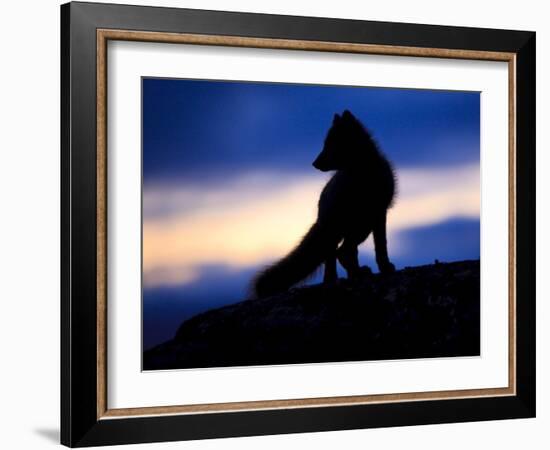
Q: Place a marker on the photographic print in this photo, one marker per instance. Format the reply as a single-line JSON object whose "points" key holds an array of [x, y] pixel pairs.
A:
{"points": [[294, 223], [277, 224]]}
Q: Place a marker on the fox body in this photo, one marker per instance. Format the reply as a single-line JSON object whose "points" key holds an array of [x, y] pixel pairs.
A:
{"points": [[352, 205]]}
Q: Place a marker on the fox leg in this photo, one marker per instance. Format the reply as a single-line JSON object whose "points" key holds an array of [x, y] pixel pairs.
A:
{"points": [[330, 269], [381, 246], [348, 257]]}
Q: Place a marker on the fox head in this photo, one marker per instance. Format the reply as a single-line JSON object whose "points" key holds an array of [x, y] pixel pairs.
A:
{"points": [[346, 143]]}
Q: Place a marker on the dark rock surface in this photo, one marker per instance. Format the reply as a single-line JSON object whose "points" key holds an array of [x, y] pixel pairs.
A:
{"points": [[418, 312]]}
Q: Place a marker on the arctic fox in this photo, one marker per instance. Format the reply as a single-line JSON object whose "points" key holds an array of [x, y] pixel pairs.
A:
{"points": [[353, 204]]}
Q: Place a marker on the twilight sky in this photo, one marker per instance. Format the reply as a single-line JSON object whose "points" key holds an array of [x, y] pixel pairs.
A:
{"points": [[228, 184]]}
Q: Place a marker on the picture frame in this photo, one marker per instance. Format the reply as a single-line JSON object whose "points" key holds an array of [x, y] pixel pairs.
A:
{"points": [[86, 418]]}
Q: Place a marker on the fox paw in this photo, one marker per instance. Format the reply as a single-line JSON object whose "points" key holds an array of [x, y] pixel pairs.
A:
{"points": [[365, 271], [387, 268], [331, 281], [360, 272]]}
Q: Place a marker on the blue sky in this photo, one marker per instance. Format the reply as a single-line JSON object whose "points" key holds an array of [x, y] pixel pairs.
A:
{"points": [[196, 128], [229, 186]]}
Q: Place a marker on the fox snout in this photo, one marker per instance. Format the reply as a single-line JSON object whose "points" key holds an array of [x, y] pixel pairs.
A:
{"points": [[321, 164]]}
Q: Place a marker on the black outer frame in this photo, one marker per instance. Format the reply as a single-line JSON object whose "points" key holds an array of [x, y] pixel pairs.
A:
{"points": [[79, 423]]}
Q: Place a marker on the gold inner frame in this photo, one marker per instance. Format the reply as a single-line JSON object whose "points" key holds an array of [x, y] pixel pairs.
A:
{"points": [[103, 36]]}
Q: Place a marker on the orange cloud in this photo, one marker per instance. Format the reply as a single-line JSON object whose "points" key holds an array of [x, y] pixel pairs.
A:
{"points": [[263, 215]]}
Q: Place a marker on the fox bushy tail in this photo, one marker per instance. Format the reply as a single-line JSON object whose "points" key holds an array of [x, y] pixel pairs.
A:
{"points": [[299, 264]]}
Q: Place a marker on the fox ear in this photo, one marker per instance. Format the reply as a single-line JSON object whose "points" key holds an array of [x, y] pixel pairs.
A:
{"points": [[336, 118], [347, 115]]}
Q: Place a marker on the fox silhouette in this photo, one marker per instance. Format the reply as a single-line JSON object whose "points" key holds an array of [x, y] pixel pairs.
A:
{"points": [[352, 205]]}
